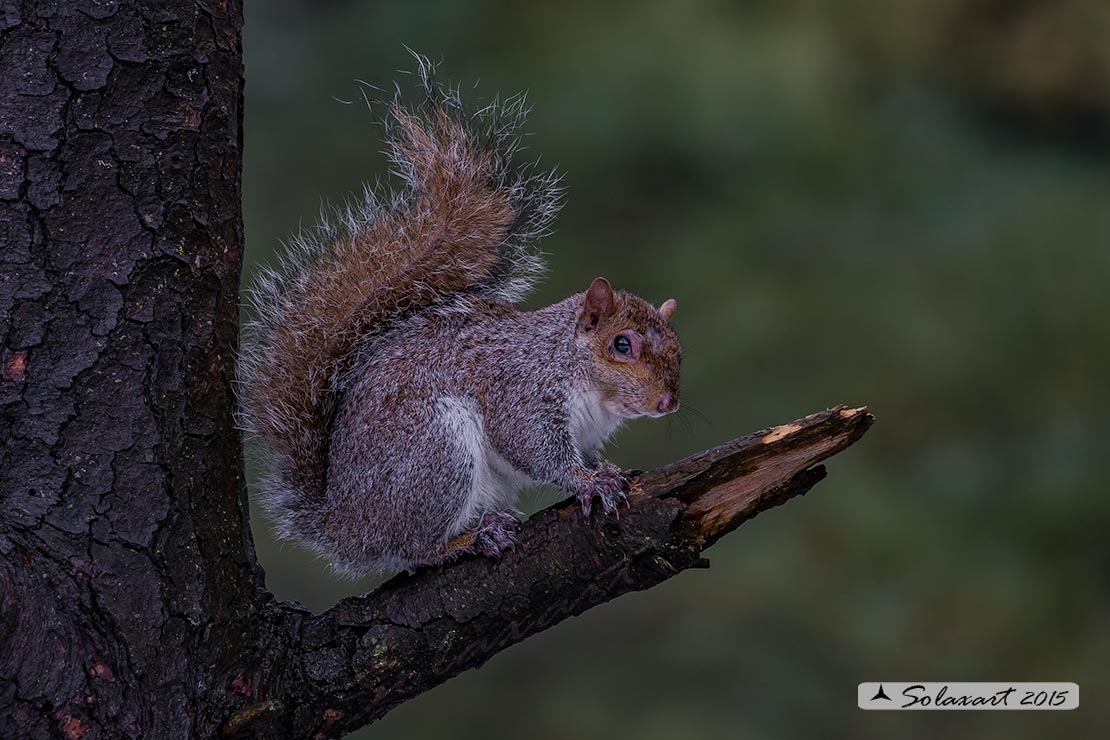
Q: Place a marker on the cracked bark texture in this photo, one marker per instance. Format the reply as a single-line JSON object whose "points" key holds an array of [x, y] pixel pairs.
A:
{"points": [[126, 566], [131, 603]]}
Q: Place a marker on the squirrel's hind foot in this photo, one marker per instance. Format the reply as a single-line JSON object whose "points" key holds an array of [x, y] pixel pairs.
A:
{"points": [[496, 532]]}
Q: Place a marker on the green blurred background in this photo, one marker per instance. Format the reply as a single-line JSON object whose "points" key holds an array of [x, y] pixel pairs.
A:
{"points": [[902, 204]]}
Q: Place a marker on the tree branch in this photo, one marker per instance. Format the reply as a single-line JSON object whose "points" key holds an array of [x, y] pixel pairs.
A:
{"points": [[368, 654]]}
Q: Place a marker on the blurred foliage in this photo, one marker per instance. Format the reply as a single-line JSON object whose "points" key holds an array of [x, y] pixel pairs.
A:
{"points": [[1047, 62], [903, 204]]}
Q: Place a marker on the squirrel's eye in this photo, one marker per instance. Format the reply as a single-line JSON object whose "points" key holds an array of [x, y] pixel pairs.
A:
{"points": [[621, 344]]}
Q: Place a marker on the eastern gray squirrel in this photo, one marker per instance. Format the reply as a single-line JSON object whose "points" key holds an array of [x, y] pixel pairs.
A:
{"points": [[398, 397]]}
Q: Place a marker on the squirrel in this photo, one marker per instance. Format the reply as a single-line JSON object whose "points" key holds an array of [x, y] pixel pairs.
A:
{"points": [[398, 397]]}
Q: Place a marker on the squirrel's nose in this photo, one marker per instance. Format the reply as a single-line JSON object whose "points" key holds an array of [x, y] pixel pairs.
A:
{"points": [[667, 403]]}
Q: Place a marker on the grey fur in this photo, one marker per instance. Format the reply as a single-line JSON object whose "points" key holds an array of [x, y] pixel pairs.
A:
{"points": [[400, 477]]}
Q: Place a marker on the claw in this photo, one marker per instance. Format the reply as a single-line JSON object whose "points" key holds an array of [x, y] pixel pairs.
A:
{"points": [[612, 503], [587, 502]]}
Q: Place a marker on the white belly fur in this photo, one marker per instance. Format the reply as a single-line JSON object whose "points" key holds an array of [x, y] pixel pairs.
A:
{"points": [[495, 482]]}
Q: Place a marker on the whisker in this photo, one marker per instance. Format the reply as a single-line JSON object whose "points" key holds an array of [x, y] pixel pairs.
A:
{"points": [[687, 407]]}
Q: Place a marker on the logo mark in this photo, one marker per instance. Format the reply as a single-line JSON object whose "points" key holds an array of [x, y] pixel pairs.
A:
{"points": [[880, 694]]}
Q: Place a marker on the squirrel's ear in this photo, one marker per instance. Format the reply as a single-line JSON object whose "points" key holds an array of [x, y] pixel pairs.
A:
{"points": [[667, 309], [598, 304]]}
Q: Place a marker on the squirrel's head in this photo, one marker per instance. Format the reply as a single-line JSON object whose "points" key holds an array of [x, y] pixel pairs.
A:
{"points": [[637, 354]]}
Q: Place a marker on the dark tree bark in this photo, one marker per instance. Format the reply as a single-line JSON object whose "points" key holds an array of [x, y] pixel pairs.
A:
{"points": [[131, 603], [127, 568]]}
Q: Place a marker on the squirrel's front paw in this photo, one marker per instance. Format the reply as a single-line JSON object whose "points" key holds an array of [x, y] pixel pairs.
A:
{"points": [[496, 532], [607, 485]]}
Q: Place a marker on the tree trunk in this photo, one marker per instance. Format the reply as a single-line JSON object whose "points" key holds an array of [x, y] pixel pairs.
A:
{"points": [[131, 603], [128, 572]]}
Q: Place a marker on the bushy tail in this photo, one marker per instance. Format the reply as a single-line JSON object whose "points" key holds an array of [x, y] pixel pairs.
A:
{"points": [[464, 224]]}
